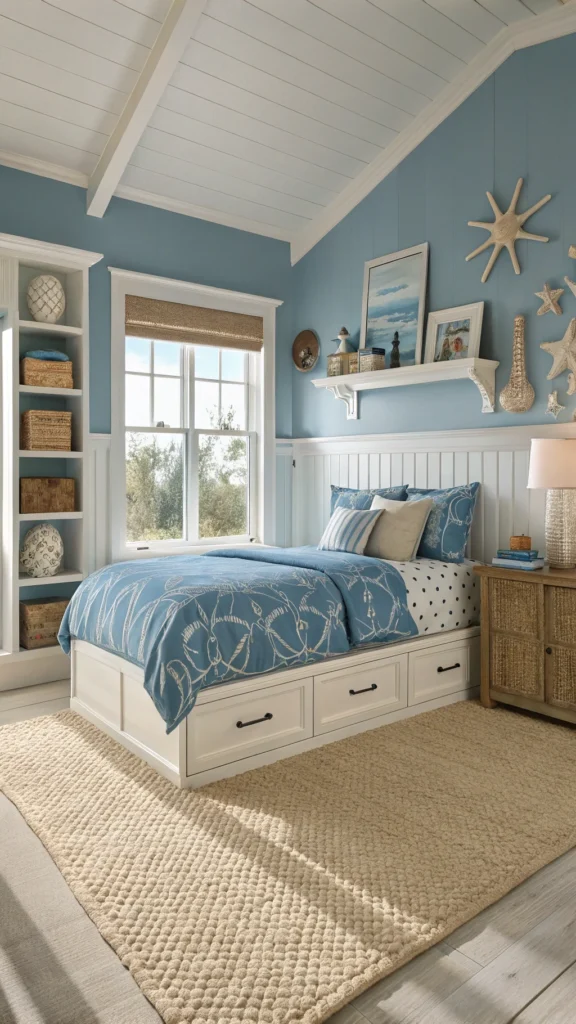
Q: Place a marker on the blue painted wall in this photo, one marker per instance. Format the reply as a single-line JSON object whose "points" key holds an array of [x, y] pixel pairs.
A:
{"points": [[151, 241], [520, 123]]}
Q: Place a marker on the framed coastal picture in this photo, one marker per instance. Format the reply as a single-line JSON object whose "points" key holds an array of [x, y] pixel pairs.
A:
{"points": [[393, 305], [454, 333]]}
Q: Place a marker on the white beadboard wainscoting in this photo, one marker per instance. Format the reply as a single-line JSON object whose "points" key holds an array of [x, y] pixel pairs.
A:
{"points": [[497, 457]]}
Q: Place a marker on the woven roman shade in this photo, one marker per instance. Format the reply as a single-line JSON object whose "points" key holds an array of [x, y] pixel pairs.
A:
{"points": [[196, 325]]}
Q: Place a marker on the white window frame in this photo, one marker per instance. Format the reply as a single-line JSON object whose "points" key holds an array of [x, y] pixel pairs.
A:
{"points": [[262, 511]]}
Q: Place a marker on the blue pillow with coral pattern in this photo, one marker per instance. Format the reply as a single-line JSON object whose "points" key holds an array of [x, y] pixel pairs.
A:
{"points": [[448, 525], [361, 498]]}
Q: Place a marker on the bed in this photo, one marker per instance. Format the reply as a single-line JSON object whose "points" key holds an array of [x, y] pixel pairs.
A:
{"points": [[209, 665]]}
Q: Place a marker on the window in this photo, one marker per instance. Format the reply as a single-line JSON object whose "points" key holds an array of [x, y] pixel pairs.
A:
{"points": [[193, 446], [188, 447]]}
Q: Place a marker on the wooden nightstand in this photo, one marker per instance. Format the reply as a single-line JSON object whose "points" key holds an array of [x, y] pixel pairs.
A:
{"points": [[528, 641]]}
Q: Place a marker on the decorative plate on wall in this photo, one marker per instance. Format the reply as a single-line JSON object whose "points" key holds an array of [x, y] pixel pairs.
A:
{"points": [[305, 351]]}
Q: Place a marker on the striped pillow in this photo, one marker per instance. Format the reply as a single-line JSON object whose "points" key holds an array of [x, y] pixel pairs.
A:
{"points": [[349, 530]]}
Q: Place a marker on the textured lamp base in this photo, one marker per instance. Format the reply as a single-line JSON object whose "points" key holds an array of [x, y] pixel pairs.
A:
{"points": [[561, 528]]}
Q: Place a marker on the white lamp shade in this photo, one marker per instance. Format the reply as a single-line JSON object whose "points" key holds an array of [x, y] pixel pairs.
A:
{"points": [[552, 463]]}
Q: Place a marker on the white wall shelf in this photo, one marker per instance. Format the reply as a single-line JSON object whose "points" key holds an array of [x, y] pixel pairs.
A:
{"points": [[56, 330], [30, 389], [346, 387]]}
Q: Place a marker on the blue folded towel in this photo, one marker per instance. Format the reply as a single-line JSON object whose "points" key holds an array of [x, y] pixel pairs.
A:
{"points": [[52, 355]]}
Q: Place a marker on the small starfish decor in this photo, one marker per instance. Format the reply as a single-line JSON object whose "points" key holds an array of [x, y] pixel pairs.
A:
{"points": [[506, 228], [550, 298], [571, 285], [563, 352], [572, 252], [554, 406], [571, 384]]}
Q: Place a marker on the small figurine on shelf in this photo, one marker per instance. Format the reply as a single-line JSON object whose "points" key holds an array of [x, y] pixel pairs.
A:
{"points": [[395, 353], [339, 362]]}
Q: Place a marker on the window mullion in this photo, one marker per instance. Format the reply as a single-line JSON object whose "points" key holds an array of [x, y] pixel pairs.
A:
{"points": [[151, 398], [192, 454]]}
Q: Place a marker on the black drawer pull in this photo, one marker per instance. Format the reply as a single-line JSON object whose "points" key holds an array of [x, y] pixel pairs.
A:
{"points": [[255, 721], [448, 667], [548, 650], [354, 693]]}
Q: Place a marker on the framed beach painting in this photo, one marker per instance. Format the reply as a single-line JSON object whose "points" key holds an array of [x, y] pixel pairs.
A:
{"points": [[393, 305], [454, 333]]}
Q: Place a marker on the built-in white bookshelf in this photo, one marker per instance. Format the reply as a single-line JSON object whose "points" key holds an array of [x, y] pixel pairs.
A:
{"points": [[20, 260]]}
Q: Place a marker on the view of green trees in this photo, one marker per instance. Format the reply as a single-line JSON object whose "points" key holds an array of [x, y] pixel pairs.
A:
{"points": [[155, 485]]}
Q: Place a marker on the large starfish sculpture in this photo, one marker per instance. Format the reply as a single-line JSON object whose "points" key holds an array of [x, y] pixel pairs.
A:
{"points": [[505, 229], [550, 298], [563, 352]]}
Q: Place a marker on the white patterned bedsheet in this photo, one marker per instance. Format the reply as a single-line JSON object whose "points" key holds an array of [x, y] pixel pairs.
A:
{"points": [[441, 595]]}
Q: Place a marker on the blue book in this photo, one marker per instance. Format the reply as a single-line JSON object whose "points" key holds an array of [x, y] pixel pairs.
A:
{"points": [[523, 556], [518, 563]]}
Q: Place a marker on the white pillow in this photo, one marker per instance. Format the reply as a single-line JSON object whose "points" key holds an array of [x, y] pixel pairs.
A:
{"points": [[396, 534]]}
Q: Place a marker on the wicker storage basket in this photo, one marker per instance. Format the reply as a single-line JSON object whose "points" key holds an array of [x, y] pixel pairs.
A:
{"points": [[46, 373], [46, 430], [40, 621], [47, 494]]}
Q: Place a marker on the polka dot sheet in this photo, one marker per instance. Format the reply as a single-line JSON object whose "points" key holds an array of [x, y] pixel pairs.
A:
{"points": [[441, 595]]}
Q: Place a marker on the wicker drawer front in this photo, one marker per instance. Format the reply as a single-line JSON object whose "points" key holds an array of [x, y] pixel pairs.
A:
{"points": [[515, 607], [517, 666], [561, 677], [561, 615]]}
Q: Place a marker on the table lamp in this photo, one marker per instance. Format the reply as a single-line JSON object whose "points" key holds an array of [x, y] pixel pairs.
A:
{"points": [[553, 467]]}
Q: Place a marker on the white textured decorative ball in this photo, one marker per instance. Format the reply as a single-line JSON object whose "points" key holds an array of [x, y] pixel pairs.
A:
{"points": [[46, 299], [42, 551]]}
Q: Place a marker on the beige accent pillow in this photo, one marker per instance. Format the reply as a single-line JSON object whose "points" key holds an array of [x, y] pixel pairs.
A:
{"points": [[397, 532]]}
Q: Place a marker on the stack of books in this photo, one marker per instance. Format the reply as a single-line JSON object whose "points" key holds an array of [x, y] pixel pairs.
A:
{"points": [[518, 559]]}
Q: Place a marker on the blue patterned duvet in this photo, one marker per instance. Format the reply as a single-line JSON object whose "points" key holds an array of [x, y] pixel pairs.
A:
{"points": [[193, 621]]}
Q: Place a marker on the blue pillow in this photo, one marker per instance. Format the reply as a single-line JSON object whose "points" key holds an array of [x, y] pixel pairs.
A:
{"points": [[448, 526], [351, 497]]}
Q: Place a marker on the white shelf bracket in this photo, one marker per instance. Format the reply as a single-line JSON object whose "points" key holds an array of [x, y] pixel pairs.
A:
{"points": [[485, 381], [349, 397]]}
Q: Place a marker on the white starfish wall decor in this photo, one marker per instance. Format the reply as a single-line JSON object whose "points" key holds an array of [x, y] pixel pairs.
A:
{"points": [[554, 406], [505, 229], [571, 384], [571, 285], [572, 252], [563, 352], [550, 298]]}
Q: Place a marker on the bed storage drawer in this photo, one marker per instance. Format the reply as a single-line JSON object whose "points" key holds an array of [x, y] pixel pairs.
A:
{"points": [[373, 689], [231, 728], [441, 670]]}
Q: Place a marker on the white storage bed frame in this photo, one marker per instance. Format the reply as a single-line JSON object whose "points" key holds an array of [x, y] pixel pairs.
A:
{"points": [[248, 723]]}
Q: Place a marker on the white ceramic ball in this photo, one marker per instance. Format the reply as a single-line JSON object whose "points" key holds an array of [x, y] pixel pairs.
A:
{"points": [[46, 299], [42, 551]]}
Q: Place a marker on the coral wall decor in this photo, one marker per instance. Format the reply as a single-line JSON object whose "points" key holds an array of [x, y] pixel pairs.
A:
{"points": [[518, 395], [554, 406], [505, 229]]}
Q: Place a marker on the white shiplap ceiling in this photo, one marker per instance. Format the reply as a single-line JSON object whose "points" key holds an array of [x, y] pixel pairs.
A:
{"points": [[276, 116]]}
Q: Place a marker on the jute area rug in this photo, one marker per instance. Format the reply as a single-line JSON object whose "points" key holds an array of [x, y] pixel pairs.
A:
{"points": [[280, 895]]}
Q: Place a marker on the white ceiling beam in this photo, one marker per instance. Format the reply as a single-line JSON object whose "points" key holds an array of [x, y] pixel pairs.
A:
{"points": [[173, 39]]}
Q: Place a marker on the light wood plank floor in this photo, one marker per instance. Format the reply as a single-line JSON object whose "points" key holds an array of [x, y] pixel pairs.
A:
{"points": [[513, 964]]}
